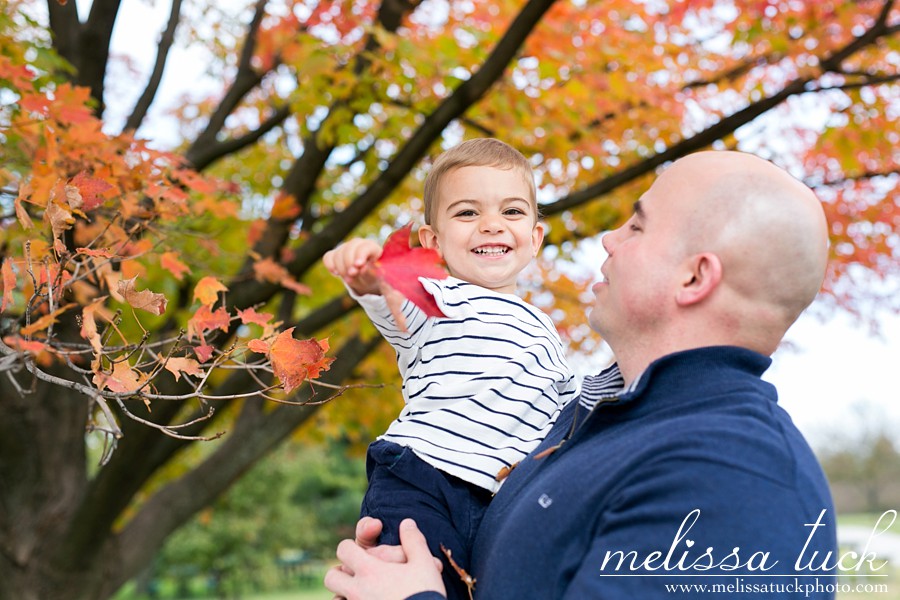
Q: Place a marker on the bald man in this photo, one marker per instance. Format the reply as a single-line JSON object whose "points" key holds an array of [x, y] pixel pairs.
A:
{"points": [[677, 471]]}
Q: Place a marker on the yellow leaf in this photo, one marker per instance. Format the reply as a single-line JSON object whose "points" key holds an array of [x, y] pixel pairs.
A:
{"points": [[179, 365], [207, 290]]}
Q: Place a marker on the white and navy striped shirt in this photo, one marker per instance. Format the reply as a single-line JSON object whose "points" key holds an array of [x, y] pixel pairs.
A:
{"points": [[482, 386]]}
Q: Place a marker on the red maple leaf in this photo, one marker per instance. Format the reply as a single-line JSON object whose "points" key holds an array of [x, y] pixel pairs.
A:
{"points": [[93, 190], [401, 266]]}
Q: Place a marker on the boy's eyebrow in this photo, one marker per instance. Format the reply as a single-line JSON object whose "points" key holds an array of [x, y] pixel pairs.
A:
{"points": [[639, 210], [477, 201]]}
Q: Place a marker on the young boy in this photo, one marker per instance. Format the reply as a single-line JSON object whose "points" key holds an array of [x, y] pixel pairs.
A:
{"points": [[483, 385]]}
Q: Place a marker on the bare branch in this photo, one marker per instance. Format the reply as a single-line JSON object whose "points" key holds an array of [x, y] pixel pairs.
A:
{"points": [[165, 44], [245, 80]]}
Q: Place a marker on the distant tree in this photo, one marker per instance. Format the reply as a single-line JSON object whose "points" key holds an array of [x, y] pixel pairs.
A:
{"points": [[299, 500], [145, 286], [865, 456]]}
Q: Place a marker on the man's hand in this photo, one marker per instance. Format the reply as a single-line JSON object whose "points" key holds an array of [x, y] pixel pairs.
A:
{"points": [[373, 573]]}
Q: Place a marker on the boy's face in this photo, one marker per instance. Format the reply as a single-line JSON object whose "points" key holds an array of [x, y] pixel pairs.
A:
{"points": [[484, 226]]}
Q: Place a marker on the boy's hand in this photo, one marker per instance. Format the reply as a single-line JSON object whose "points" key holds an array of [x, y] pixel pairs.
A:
{"points": [[352, 261]]}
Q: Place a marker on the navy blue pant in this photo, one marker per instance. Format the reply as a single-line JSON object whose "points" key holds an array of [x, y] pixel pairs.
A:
{"points": [[446, 509]]}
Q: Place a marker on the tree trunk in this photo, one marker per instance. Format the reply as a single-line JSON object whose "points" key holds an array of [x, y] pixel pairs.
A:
{"points": [[42, 479]]}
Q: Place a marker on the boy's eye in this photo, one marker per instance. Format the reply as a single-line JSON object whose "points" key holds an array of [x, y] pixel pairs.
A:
{"points": [[514, 211], [466, 213]]}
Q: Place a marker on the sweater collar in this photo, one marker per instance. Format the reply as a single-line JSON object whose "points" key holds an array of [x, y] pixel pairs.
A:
{"points": [[687, 366], [686, 371]]}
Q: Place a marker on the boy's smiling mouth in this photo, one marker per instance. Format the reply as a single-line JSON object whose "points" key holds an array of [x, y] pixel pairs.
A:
{"points": [[492, 250]]}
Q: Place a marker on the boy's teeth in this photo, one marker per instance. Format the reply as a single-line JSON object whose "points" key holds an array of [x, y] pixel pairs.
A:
{"points": [[492, 250]]}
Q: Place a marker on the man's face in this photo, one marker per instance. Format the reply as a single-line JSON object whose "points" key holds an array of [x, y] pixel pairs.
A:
{"points": [[640, 273], [485, 226]]}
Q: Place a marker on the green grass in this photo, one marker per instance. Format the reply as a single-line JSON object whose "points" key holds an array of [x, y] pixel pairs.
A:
{"points": [[880, 588]]}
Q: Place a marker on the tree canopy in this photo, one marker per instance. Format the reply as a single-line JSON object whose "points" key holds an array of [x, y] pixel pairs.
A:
{"points": [[157, 293]]}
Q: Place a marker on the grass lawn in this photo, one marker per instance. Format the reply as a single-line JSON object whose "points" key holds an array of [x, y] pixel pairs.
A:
{"points": [[872, 588]]}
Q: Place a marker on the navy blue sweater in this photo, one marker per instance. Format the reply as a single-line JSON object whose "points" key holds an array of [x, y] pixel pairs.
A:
{"points": [[696, 477]]}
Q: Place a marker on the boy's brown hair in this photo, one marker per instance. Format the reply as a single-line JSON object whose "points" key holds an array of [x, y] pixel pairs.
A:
{"points": [[477, 152]]}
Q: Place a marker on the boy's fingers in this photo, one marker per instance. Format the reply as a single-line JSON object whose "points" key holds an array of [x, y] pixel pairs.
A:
{"points": [[395, 302], [367, 531]]}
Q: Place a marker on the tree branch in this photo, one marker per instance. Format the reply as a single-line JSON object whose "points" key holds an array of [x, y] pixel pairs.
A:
{"points": [[165, 45], [259, 432], [245, 80], [66, 29], [463, 97], [93, 48]]}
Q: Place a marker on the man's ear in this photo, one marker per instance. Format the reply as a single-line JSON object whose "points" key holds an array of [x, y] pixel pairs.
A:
{"points": [[537, 238], [428, 238], [702, 277]]}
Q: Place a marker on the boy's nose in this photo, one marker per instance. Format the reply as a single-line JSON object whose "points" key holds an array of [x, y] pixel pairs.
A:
{"points": [[491, 224]]}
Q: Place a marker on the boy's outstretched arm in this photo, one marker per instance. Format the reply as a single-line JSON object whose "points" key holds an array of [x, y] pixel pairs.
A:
{"points": [[352, 261]]}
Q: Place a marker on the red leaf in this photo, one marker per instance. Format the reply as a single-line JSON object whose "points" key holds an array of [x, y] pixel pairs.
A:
{"points": [[92, 190], [401, 266], [204, 352]]}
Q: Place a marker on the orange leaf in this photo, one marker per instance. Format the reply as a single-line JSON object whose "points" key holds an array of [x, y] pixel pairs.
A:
{"points": [[294, 361], [31, 346], [22, 215], [59, 217], [170, 262], [251, 316], [45, 321], [269, 270], [285, 207], [207, 290], [98, 253], [401, 266], [122, 379], [205, 320], [89, 325], [258, 346], [145, 300], [8, 275], [179, 365]]}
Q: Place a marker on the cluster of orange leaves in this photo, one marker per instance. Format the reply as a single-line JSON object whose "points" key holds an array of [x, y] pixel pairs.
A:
{"points": [[105, 202]]}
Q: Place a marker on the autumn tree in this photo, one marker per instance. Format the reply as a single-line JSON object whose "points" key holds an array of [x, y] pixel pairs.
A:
{"points": [[156, 296]]}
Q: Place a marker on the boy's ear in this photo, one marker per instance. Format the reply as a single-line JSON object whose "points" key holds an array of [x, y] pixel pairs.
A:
{"points": [[702, 275], [428, 238], [537, 237]]}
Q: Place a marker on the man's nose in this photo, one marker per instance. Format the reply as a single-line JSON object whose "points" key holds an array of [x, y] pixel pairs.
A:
{"points": [[608, 240]]}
